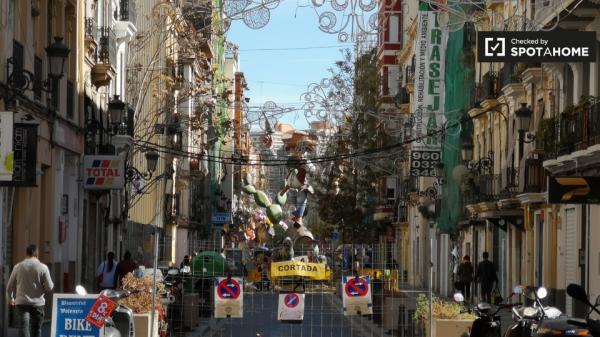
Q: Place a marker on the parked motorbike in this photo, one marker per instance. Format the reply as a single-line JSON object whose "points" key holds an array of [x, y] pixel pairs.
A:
{"points": [[528, 319], [120, 323], [487, 323], [591, 325], [174, 285]]}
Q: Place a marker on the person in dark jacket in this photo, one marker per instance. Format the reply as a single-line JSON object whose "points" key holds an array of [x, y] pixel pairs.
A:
{"points": [[486, 276], [465, 277], [124, 267]]}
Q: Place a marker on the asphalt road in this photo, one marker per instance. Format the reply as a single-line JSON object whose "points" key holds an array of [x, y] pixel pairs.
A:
{"points": [[322, 318]]}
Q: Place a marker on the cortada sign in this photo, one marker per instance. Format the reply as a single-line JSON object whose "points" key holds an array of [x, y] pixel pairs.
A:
{"points": [[103, 172]]}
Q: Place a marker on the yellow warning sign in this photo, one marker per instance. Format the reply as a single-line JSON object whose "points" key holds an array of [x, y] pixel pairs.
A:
{"points": [[316, 271]]}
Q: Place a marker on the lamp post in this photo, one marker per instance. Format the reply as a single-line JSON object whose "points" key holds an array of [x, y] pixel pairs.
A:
{"points": [[132, 173], [482, 165], [116, 110], [20, 80]]}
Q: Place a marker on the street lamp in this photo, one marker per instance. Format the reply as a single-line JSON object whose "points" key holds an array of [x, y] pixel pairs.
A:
{"points": [[20, 80], [132, 173], [466, 150], [524, 115], [57, 54], [483, 164], [116, 110]]}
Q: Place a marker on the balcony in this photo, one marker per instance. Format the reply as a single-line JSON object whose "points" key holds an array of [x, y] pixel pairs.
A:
{"points": [[125, 20], [91, 44], [487, 91], [574, 142], [200, 16], [545, 10], [535, 176], [103, 71]]}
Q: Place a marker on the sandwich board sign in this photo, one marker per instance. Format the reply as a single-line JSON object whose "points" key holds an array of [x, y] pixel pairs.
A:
{"points": [[69, 313], [229, 297], [291, 307], [356, 295]]}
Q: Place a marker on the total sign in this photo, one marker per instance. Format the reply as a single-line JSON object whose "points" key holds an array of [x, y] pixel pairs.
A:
{"points": [[103, 172], [69, 313], [356, 295], [291, 307], [229, 297]]}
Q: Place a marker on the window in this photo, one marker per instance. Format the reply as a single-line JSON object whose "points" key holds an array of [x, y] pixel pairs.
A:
{"points": [[38, 67], [394, 29], [17, 66], [70, 94]]}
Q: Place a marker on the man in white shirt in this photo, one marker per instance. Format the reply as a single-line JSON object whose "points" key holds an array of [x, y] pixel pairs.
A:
{"points": [[28, 282]]}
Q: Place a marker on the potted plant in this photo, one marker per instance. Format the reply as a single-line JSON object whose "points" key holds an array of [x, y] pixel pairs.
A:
{"points": [[448, 321]]}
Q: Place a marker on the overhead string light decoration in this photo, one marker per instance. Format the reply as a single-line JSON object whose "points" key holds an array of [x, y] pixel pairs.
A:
{"points": [[351, 20], [331, 99], [255, 15]]}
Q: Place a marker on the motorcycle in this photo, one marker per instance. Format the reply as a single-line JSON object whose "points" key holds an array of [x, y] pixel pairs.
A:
{"points": [[487, 323], [174, 285], [592, 325], [536, 319], [120, 324]]}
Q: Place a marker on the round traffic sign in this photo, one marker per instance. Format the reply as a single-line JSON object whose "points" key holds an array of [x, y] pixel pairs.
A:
{"points": [[356, 287], [291, 300], [228, 289]]}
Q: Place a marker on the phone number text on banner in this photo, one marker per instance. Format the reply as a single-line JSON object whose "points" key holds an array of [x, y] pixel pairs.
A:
{"points": [[424, 163]]}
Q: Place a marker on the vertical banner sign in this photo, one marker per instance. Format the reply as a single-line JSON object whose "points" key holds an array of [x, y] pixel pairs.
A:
{"points": [[429, 89], [6, 146], [69, 312], [356, 295], [229, 297], [24, 156], [291, 307]]}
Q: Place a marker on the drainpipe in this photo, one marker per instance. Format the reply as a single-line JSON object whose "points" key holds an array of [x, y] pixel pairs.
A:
{"points": [[3, 267]]}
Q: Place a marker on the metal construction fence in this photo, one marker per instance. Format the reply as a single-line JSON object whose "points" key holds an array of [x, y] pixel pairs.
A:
{"points": [[393, 301]]}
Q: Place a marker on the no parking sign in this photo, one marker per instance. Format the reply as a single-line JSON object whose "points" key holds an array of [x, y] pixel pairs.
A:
{"points": [[356, 295], [291, 307], [229, 297]]}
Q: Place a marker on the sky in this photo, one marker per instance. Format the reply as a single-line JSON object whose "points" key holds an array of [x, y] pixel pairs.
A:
{"points": [[283, 75]]}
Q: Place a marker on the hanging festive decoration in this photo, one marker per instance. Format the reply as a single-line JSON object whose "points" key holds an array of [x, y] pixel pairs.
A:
{"points": [[351, 20], [254, 16]]}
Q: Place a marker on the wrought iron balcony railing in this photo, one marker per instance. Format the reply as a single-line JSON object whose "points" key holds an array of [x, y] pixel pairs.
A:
{"points": [[91, 28], [577, 128], [535, 176], [107, 52], [127, 10]]}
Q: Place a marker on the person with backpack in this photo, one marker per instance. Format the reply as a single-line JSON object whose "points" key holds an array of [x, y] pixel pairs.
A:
{"points": [[105, 273]]}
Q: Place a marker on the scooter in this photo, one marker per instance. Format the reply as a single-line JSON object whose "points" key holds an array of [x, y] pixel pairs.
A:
{"points": [[120, 324], [487, 323], [592, 325], [528, 319]]}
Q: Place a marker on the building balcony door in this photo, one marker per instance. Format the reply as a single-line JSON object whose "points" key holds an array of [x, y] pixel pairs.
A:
{"points": [[571, 259], [539, 249]]}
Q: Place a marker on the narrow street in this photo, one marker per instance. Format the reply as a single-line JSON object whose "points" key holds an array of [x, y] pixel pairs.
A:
{"points": [[322, 317], [388, 168]]}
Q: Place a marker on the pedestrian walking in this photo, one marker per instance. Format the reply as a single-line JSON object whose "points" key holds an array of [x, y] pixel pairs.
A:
{"points": [[486, 276], [465, 277], [105, 273], [184, 266], [124, 267], [26, 286]]}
